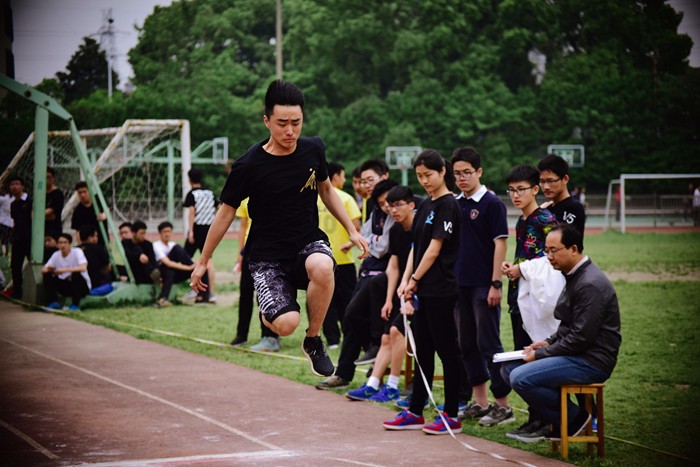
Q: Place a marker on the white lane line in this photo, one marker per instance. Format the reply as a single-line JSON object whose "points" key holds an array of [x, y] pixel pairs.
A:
{"points": [[29, 440], [353, 462], [150, 396], [193, 459]]}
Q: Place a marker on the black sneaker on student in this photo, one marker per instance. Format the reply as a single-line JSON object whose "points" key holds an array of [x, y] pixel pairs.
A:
{"points": [[544, 433], [239, 340], [313, 349], [525, 428], [369, 357]]}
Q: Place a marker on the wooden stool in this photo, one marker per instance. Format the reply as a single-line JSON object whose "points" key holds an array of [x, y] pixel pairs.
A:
{"points": [[588, 390]]}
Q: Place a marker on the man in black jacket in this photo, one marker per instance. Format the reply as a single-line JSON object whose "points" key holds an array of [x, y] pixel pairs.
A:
{"points": [[584, 348]]}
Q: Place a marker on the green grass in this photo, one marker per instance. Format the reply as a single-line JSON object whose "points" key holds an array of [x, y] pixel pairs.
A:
{"points": [[652, 399]]}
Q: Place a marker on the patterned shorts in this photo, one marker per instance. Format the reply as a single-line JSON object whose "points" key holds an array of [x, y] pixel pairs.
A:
{"points": [[277, 282]]}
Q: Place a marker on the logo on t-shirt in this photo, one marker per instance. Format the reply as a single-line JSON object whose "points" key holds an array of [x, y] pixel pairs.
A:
{"points": [[474, 214], [569, 217], [447, 225], [430, 218], [311, 182]]}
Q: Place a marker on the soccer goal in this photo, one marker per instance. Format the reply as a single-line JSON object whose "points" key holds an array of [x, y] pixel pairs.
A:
{"points": [[649, 205]]}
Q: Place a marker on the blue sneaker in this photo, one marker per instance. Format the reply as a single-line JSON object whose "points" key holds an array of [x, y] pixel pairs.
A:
{"points": [[438, 427], [386, 394], [405, 421], [363, 393], [74, 308], [55, 306], [461, 407], [406, 402], [595, 424]]}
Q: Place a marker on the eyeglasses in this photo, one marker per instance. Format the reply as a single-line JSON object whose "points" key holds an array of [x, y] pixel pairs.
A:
{"points": [[368, 181], [396, 205], [466, 174], [551, 181], [518, 191], [553, 251]]}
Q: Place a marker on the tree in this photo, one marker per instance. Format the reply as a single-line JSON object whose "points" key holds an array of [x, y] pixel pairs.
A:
{"points": [[86, 72]]}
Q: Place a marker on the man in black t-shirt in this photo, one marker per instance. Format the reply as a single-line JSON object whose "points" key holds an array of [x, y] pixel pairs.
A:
{"points": [[98, 265], [139, 252], [54, 205], [21, 212], [84, 213], [283, 176], [554, 180]]}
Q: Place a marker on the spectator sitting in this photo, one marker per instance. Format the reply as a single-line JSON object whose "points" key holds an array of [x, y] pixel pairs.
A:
{"points": [[175, 265], [139, 253], [98, 259], [50, 246], [65, 273]]}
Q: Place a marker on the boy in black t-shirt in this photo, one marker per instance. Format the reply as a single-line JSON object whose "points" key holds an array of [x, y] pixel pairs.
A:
{"points": [[283, 176], [98, 265], [54, 205], [554, 180], [84, 213]]}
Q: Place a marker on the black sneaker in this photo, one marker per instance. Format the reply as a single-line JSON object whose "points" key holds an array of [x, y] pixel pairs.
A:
{"points": [[238, 341], [333, 382], [369, 357], [313, 349], [544, 433], [525, 428]]}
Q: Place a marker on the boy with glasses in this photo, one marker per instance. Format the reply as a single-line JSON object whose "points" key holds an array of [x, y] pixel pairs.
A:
{"points": [[554, 180]]}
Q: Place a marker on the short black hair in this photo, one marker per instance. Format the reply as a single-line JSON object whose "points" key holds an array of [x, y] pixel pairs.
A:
{"points": [[16, 178], [378, 165], [87, 231], [467, 154], [382, 187], [400, 193], [523, 173], [554, 164], [164, 225], [67, 236], [51, 170], [356, 172], [80, 184], [125, 224], [281, 92], [334, 168], [569, 236], [195, 175], [138, 225]]}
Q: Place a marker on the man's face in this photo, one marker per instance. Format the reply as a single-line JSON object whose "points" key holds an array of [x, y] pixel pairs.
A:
{"points": [[552, 184], [166, 234], [64, 246], [401, 210], [139, 236], [369, 179], [125, 233], [338, 179], [467, 177], [285, 126], [560, 257], [522, 193], [358, 187], [50, 180], [16, 187], [50, 242], [83, 195]]}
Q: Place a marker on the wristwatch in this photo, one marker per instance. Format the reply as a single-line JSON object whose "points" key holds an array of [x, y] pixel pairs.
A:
{"points": [[496, 284]]}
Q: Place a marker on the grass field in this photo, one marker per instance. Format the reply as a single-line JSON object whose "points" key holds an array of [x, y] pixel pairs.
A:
{"points": [[652, 399]]}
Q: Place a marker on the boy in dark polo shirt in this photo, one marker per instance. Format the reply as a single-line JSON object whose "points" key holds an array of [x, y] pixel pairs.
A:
{"points": [[483, 234]]}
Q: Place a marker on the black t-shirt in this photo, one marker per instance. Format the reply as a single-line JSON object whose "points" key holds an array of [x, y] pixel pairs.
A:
{"points": [[21, 213], [54, 200], [204, 203], [570, 211], [85, 215], [283, 193], [437, 218], [400, 241], [97, 259]]}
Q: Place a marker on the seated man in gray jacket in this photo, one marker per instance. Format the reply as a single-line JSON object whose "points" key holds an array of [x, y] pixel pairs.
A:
{"points": [[584, 348]]}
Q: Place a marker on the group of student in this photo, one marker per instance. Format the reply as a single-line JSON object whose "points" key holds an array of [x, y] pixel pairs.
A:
{"points": [[75, 272]]}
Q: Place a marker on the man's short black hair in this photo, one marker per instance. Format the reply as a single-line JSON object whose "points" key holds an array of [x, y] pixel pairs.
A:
{"points": [[86, 232], [378, 165], [467, 154], [51, 170], [16, 178], [400, 193], [164, 225], [334, 168], [356, 172], [281, 92], [195, 175], [125, 224], [382, 187], [80, 184], [554, 164], [569, 236], [138, 225], [67, 236], [523, 173]]}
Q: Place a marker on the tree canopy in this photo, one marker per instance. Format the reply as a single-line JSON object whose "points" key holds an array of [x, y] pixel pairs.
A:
{"points": [[611, 75]]}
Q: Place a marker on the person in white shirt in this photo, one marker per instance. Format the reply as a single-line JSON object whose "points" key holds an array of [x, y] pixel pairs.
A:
{"points": [[175, 265], [65, 273], [6, 222]]}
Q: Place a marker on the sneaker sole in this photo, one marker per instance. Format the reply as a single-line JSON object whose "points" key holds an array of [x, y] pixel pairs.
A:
{"points": [[364, 362], [502, 422], [330, 388], [532, 440], [357, 398], [441, 432], [313, 370], [403, 427]]}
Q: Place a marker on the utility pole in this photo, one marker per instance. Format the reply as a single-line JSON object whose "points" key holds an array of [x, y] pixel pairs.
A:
{"points": [[107, 31], [278, 38]]}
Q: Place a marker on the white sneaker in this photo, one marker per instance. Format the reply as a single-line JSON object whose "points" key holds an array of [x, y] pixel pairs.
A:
{"points": [[212, 298], [267, 344]]}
